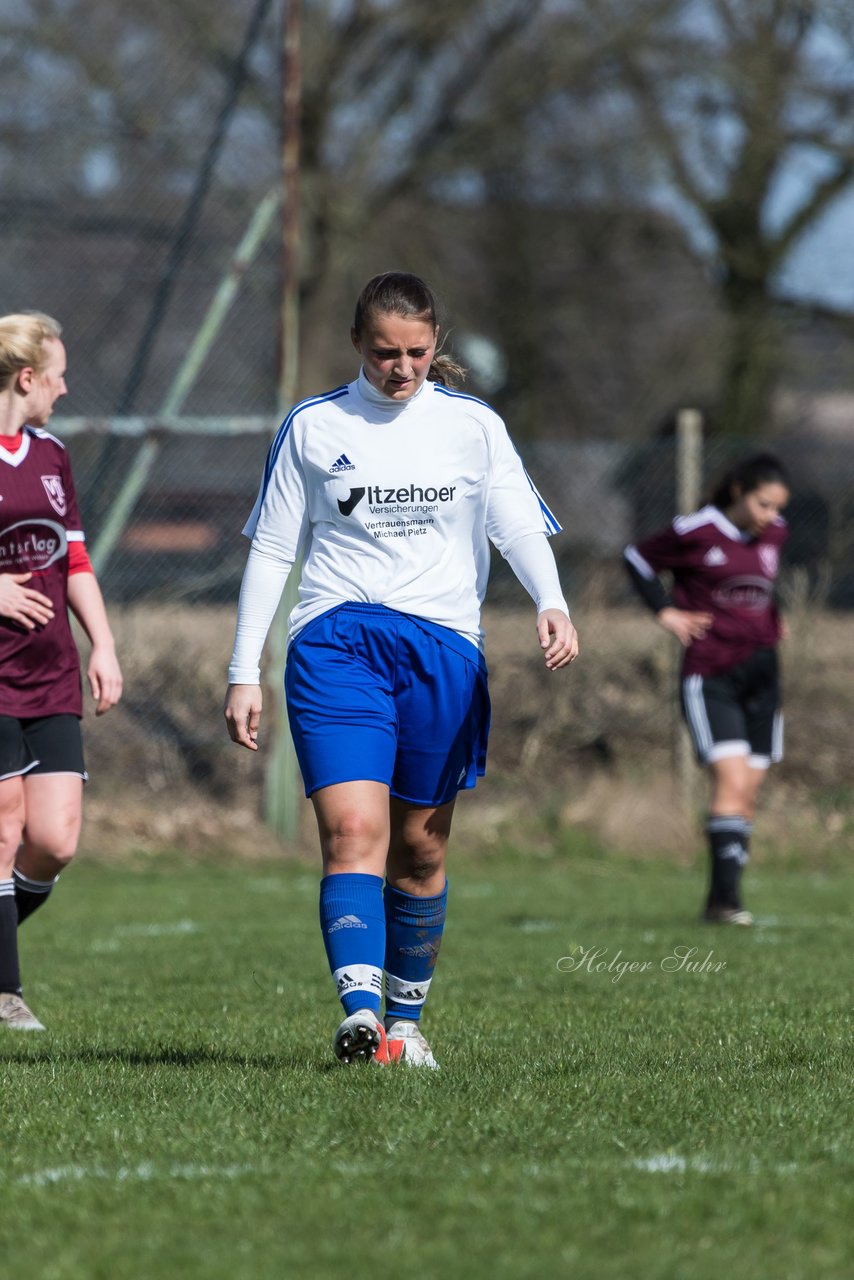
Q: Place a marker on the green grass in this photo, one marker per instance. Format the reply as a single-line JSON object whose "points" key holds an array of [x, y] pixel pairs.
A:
{"points": [[182, 1116]]}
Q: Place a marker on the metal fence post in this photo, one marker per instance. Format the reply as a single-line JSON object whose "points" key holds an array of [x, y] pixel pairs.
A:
{"points": [[689, 480]]}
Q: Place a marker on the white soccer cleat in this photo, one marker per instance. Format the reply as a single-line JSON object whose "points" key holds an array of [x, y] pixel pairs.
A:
{"points": [[718, 914], [360, 1038], [407, 1044], [15, 1015]]}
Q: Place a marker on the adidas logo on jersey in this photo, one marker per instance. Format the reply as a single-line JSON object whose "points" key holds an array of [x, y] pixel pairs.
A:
{"points": [[715, 556], [340, 464], [346, 922]]}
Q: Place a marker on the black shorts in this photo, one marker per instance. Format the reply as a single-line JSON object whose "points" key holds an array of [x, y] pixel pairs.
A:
{"points": [[737, 712], [45, 744]]}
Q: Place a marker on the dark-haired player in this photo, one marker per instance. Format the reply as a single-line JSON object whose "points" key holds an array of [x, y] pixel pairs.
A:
{"points": [[724, 560], [44, 571]]}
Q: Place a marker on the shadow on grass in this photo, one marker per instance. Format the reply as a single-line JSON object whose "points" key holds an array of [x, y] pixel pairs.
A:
{"points": [[166, 1055]]}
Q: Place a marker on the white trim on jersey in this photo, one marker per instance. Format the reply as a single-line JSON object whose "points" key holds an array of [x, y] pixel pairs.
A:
{"points": [[552, 525], [75, 535], [708, 515], [15, 459], [713, 515], [45, 435], [276, 448], [643, 567]]}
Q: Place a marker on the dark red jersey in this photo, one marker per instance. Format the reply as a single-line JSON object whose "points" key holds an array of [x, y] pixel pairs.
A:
{"points": [[717, 569], [40, 669]]}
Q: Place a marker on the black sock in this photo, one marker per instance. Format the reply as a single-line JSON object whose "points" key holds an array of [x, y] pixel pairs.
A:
{"points": [[30, 894], [10, 973], [728, 850]]}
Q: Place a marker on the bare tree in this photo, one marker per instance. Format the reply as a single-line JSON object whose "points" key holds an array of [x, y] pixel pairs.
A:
{"points": [[742, 102]]}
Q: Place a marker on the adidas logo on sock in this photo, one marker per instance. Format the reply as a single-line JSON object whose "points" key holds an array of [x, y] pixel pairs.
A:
{"points": [[341, 463], [346, 922]]}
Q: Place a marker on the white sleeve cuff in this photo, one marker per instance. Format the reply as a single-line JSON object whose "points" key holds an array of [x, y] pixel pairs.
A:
{"points": [[533, 562], [264, 581]]}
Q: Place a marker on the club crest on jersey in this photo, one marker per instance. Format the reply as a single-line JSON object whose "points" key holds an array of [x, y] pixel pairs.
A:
{"points": [[340, 464], [56, 494], [715, 556], [769, 558]]}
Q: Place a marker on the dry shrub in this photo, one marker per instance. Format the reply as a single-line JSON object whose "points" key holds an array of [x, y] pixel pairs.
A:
{"points": [[589, 748]]}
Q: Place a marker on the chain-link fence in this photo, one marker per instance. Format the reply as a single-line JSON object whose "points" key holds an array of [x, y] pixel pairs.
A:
{"points": [[173, 572], [140, 158]]}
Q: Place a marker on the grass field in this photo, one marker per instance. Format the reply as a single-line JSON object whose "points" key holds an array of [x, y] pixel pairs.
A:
{"points": [[182, 1116]]}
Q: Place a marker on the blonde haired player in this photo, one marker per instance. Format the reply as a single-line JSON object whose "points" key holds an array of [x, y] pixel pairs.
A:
{"points": [[44, 572]]}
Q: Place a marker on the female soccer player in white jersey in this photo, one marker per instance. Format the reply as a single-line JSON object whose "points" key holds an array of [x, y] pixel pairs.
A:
{"points": [[391, 488], [44, 571], [724, 561]]}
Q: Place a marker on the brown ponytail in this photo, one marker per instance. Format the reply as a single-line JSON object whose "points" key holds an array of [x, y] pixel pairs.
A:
{"points": [[399, 293]]}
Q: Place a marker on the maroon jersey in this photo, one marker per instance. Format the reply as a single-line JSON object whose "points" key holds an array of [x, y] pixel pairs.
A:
{"points": [[39, 669], [717, 569]]}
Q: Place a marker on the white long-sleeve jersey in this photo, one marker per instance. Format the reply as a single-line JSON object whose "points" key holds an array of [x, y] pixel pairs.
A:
{"points": [[391, 503]]}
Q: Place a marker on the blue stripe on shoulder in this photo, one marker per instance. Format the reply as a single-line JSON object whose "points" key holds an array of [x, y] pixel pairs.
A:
{"points": [[552, 525], [281, 435], [461, 395]]}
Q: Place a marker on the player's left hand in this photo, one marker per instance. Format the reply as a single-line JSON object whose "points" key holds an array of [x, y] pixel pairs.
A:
{"points": [[105, 678], [558, 638]]}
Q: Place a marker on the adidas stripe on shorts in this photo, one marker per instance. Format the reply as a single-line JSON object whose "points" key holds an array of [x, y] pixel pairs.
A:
{"points": [[737, 712]]}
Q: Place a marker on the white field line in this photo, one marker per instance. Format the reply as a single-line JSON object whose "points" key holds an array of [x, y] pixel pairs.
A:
{"points": [[175, 929], [669, 1162], [803, 922], [145, 1172]]}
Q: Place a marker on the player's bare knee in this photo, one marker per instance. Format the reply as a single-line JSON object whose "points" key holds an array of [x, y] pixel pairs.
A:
{"points": [[425, 865], [11, 831], [48, 857]]}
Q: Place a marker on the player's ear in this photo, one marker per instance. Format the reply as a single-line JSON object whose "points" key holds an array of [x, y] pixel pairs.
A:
{"points": [[25, 379], [356, 341]]}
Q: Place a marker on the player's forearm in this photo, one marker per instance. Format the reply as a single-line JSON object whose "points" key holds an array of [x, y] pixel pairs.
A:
{"points": [[264, 580], [646, 582], [533, 563], [87, 605]]}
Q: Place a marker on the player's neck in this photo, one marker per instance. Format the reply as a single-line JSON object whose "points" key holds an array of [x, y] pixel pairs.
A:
{"points": [[10, 416]]}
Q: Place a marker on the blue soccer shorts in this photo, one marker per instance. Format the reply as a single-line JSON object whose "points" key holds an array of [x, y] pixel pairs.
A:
{"points": [[377, 695]]}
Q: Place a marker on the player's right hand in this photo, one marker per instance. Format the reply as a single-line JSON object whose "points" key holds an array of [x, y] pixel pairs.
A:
{"points": [[24, 605], [243, 714], [684, 624]]}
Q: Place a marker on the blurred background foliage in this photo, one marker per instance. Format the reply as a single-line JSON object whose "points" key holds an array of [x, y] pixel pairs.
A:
{"points": [[625, 208], [604, 193]]}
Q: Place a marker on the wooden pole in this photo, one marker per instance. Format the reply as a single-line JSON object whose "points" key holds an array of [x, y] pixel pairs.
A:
{"points": [[282, 791], [689, 482]]}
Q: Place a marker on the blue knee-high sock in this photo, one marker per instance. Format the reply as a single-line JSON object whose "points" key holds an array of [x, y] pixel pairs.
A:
{"points": [[353, 924], [413, 936]]}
